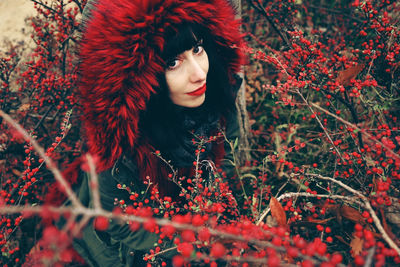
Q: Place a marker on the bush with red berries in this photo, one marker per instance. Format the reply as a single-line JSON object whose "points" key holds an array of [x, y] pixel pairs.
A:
{"points": [[323, 90]]}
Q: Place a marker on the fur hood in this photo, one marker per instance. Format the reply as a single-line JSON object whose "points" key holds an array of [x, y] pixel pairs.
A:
{"points": [[120, 55]]}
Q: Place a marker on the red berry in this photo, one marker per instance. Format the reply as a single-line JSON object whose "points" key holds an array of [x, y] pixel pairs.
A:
{"points": [[197, 220], [185, 249], [101, 223], [274, 261], [178, 261], [358, 227], [321, 249], [204, 235], [134, 226], [336, 258], [150, 225], [307, 263], [218, 250], [359, 261], [168, 230], [188, 236], [365, 214], [292, 252]]}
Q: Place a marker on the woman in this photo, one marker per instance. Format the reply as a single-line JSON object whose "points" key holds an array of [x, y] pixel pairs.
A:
{"points": [[155, 76]]}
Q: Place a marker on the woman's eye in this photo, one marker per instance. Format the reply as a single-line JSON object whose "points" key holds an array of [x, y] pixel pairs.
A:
{"points": [[173, 63], [198, 49]]}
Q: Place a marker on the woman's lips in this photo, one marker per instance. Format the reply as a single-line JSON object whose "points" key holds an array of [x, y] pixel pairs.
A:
{"points": [[198, 92]]}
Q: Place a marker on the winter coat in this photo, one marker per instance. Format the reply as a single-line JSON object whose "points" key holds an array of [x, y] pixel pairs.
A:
{"points": [[118, 245], [119, 68]]}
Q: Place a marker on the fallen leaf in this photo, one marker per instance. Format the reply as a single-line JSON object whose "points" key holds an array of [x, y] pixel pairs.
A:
{"points": [[387, 227], [356, 245], [16, 172], [277, 211], [392, 212], [346, 75], [351, 214], [318, 221], [24, 107], [34, 249]]}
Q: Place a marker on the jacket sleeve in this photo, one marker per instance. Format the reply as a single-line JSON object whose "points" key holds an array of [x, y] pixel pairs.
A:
{"points": [[141, 239], [91, 245], [105, 248]]}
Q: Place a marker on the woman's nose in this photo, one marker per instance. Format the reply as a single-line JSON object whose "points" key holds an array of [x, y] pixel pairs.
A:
{"points": [[196, 71]]}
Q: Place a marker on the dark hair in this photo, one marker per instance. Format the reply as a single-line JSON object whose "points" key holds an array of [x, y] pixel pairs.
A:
{"points": [[160, 123]]}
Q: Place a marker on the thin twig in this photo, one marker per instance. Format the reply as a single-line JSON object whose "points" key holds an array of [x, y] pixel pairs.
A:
{"points": [[164, 251], [45, 6], [320, 123], [92, 213], [94, 183], [261, 9], [304, 194], [312, 111], [396, 155], [43, 117], [370, 257], [82, 223], [368, 206], [49, 162]]}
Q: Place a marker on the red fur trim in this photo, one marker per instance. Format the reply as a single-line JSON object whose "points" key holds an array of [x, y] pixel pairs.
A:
{"points": [[120, 63]]}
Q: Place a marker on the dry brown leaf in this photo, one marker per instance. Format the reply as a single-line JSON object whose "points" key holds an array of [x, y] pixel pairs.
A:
{"points": [[316, 221], [346, 75], [392, 212], [16, 172], [387, 227], [24, 107], [351, 214], [34, 249], [277, 211], [356, 245]]}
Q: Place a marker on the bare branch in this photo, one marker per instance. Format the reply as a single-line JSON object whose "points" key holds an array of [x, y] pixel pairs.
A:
{"points": [[49, 162], [92, 213], [396, 155], [368, 206], [94, 183], [45, 6], [304, 194], [320, 123]]}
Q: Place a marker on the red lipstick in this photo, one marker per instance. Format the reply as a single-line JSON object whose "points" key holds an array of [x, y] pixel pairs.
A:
{"points": [[199, 91]]}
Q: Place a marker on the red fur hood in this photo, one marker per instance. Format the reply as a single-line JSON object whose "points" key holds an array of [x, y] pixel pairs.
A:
{"points": [[120, 62]]}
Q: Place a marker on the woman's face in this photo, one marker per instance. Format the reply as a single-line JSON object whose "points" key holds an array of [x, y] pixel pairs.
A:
{"points": [[186, 77]]}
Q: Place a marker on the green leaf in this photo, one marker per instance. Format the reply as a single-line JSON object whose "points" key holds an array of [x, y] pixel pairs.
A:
{"points": [[235, 145]]}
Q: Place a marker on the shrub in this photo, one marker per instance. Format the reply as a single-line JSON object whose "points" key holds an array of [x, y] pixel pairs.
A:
{"points": [[322, 87]]}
